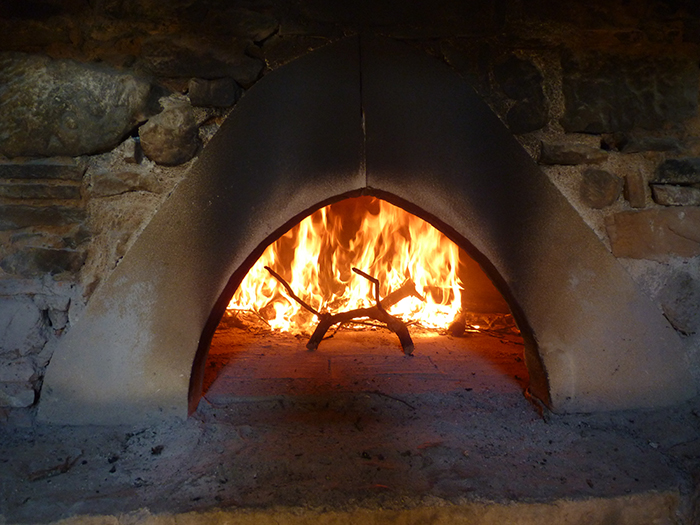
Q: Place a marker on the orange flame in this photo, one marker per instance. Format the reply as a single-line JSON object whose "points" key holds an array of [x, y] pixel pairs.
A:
{"points": [[316, 257]]}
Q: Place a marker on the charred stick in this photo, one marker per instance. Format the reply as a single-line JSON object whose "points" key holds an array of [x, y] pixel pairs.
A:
{"points": [[407, 289], [362, 323], [373, 280], [394, 324], [291, 293], [328, 321], [399, 328], [377, 312]]}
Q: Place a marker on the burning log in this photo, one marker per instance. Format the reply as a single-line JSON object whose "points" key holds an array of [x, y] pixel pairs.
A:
{"points": [[407, 289], [395, 325], [377, 312]]}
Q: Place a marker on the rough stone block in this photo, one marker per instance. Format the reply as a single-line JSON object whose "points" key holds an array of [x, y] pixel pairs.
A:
{"points": [[25, 287], [220, 93], [570, 154], [18, 34], [600, 188], [519, 79], [19, 287], [184, 58], [656, 234], [108, 184], [17, 395], [672, 195], [608, 93], [66, 237], [527, 115], [57, 302], [415, 19], [61, 107], [15, 216], [58, 319], [635, 189], [22, 328], [171, 137], [56, 307], [248, 24], [77, 236], [678, 171], [60, 168], [131, 151], [638, 144], [35, 262], [16, 371], [34, 190], [680, 300]]}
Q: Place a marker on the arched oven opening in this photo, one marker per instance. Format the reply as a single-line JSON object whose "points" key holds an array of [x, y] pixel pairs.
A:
{"points": [[360, 296]]}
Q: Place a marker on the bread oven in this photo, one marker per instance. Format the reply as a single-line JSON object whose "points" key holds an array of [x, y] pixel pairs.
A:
{"points": [[378, 120]]}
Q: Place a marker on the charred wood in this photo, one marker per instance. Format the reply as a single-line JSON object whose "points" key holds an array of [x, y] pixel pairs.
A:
{"points": [[377, 312]]}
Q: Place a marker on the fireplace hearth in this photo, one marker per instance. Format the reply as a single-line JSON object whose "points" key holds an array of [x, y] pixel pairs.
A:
{"points": [[385, 121], [371, 441]]}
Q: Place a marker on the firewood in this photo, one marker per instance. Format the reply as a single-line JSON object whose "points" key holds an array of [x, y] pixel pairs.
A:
{"points": [[291, 292], [395, 325], [407, 289], [377, 312]]}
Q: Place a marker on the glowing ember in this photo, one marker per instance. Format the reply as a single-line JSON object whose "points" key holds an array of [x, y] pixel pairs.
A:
{"points": [[316, 257]]}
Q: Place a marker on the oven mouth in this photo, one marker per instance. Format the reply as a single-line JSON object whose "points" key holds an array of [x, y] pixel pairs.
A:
{"points": [[423, 318]]}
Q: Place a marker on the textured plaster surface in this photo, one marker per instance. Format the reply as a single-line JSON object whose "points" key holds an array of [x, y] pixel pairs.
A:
{"points": [[551, 264], [136, 339]]}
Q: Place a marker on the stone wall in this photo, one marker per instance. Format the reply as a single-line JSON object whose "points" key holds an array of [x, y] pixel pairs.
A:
{"points": [[104, 104]]}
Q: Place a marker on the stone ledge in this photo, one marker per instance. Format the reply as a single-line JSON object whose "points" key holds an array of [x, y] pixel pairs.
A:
{"points": [[59, 168], [13, 217], [641, 509], [14, 287], [608, 93], [672, 195], [39, 190], [570, 154], [655, 234], [678, 171], [35, 262], [16, 395]]}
